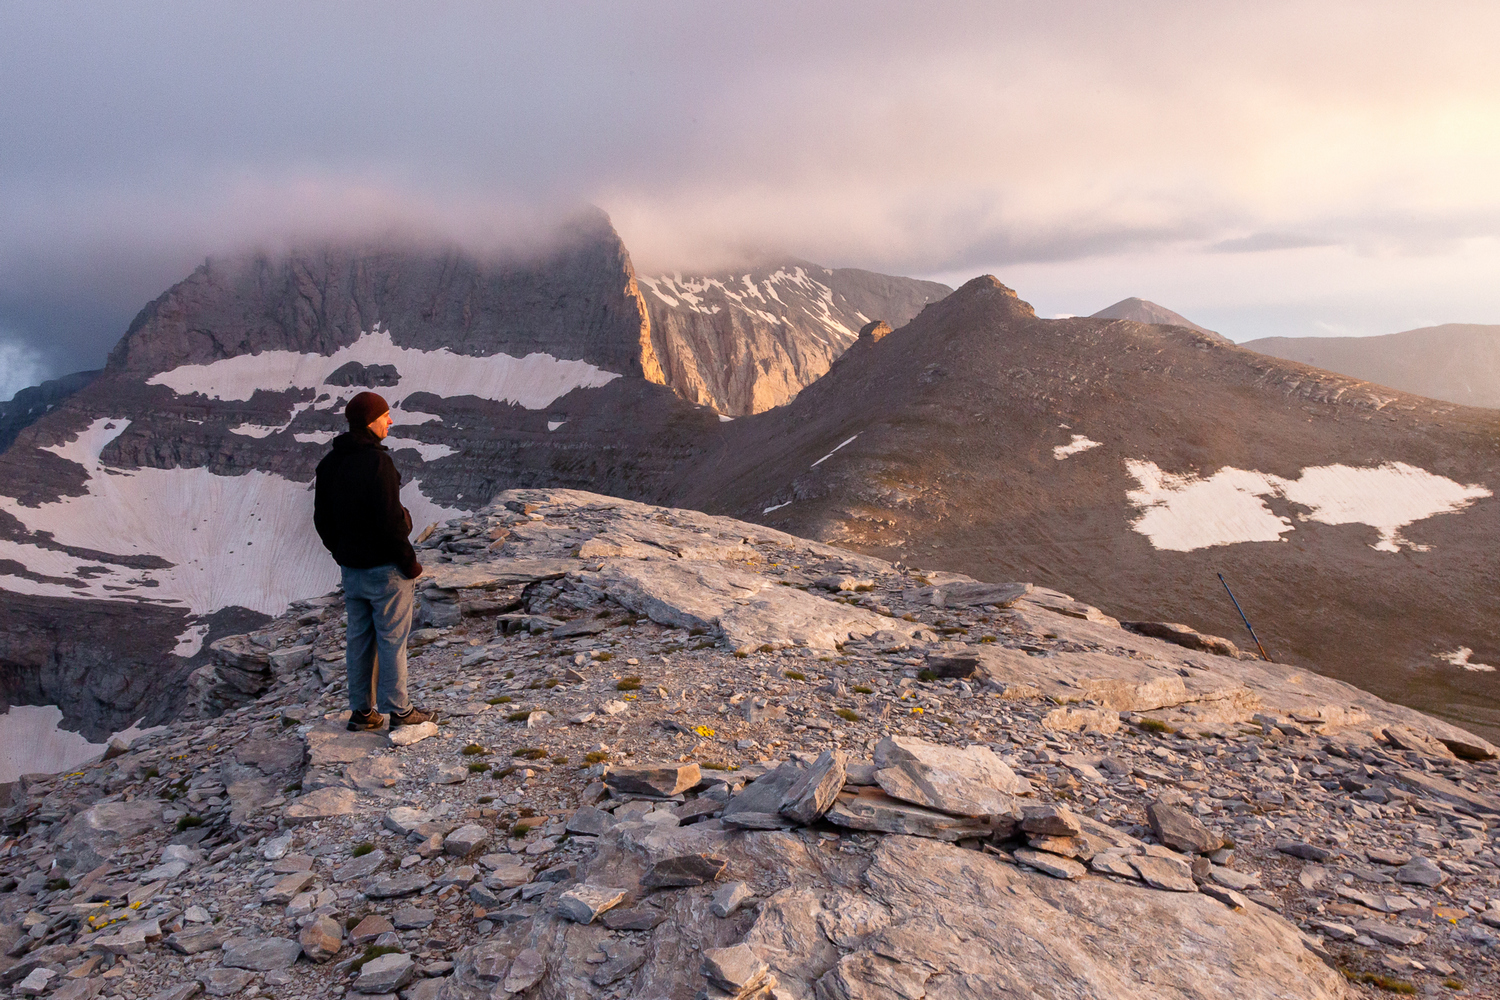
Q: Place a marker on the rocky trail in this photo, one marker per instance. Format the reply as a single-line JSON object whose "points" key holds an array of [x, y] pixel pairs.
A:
{"points": [[684, 756]]}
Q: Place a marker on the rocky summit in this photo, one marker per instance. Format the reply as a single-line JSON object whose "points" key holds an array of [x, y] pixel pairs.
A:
{"points": [[686, 756]]}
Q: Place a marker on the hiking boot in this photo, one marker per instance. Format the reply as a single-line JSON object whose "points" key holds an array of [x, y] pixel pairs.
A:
{"points": [[365, 720], [414, 717]]}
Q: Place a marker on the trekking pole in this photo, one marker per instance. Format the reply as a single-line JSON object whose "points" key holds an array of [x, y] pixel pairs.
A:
{"points": [[1241, 610]]}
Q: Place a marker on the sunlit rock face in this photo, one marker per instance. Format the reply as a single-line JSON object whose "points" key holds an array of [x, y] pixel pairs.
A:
{"points": [[745, 341]]}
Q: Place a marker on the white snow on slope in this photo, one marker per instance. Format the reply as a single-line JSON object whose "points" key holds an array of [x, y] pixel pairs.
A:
{"points": [[32, 743], [830, 454], [533, 381], [233, 540], [429, 452], [1460, 658], [1181, 513], [1073, 447]]}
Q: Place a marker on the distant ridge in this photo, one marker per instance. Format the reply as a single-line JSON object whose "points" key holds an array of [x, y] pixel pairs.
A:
{"points": [[1456, 362], [1144, 311]]}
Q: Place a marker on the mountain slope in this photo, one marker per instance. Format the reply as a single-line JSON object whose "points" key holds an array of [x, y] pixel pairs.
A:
{"points": [[1128, 464], [745, 341], [30, 404], [1458, 362], [1144, 311], [176, 484]]}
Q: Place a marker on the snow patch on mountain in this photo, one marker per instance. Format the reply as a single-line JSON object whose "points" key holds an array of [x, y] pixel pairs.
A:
{"points": [[533, 381], [1460, 658], [1181, 513], [1079, 443], [244, 541], [32, 743]]}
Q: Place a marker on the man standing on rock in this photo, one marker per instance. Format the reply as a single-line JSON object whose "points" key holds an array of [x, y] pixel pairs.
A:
{"points": [[357, 511]]}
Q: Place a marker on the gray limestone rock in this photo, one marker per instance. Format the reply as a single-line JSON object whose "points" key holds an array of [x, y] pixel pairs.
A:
{"points": [[405, 736], [758, 805], [865, 974], [182, 991], [287, 888], [685, 870], [583, 904], [966, 782], [260, 954], [872, 809], [130, 939], [816, 788], [405, 820], [1421, 871], [1180, 830], [590, 822], [360, 867], [405, 884], [224, 982], [1164, 873], [369, 929], [1050, 821], [385, 973], [1053, 864], [730, 898], [191, 941], [662, 780], [638, 919], [410, 918], [325, 803], [466, 840], [737, 969], [1389, 933]]}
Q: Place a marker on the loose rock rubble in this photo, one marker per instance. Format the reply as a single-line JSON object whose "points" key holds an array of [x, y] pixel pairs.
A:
{"points": [[684, 756]]}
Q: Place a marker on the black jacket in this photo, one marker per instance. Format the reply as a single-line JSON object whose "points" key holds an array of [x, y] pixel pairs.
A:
{"points": [[357, 506]]}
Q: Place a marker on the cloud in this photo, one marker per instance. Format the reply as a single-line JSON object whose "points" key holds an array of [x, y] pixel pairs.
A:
{"points": [[934, 138], [20, 366]]}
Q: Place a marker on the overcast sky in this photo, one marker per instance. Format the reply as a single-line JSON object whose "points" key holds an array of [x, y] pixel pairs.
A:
{"points": [[1262, 168]]}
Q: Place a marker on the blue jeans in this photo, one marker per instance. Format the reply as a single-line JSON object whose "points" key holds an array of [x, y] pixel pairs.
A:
{"points": [[379, 601]]}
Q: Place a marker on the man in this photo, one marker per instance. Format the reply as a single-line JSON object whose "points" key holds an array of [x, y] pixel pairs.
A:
{"points": [[357, 511]]}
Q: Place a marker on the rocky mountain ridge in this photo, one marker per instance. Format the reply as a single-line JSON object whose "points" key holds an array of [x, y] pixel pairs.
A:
{"points": [[647, 782], [1130, 465], [1457, 362]]}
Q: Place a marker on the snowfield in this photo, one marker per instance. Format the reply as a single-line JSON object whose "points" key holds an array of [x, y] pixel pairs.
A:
{"points": [[244, 541], [1181, 513], [533, 381], [1079, 443], [32, 743]]}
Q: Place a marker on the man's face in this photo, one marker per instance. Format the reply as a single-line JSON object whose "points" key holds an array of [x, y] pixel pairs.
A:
{"points": [[381, 425]]}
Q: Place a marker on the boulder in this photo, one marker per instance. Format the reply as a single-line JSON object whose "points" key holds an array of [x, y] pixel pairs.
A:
{"points": [[661, 780], [260, 954], [321, 939], [971, 781], [684, 870], [1180, 830], [385, 973], [872, 809], [583, 904], [815, 789]]}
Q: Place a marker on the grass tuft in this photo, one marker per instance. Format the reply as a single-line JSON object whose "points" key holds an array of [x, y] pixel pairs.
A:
{"points": [[529, 753], [187, 822], [520, 716], [604, 657], [1156, 726], [794, 675], [371, 953], [863, 689], [485, 800], [847, 714], [926, 675], [628, 684], [478, 767], [474, 750], [595, 757], [520, 830], [504, 699], [360, 850]]}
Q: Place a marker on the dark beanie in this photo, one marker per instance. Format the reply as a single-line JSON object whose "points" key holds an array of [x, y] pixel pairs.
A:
{"points": [[364, 408]]}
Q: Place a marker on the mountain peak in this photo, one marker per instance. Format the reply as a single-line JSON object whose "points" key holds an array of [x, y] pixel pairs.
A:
{"points": [[1145, 311]]}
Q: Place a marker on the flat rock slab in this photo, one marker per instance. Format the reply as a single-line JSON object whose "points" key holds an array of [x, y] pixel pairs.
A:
{"points": [[583, 904], [969, 781], [385, 974], [642, 918], [816, 788], [736, 969], [730, 898], [684, 870], [758, 804], [128, 940], [494, 573], [405, 820], [191, 941], [1164, 873], [225, 982], [339, 746], [1180, 830], [325, 803], [1392, 934], [322, 939], [590, 822], [369, 929], [1052, 864], [465, 840], [872, 809], [260, 954], [661, 780], [369, 773], [1047, 820], [361, 867], [1420, 871], [405, 736], [408, 884]]}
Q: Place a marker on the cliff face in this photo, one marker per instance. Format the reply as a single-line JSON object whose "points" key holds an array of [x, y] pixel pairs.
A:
{"points": [[744, 342], [30, 405]]}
